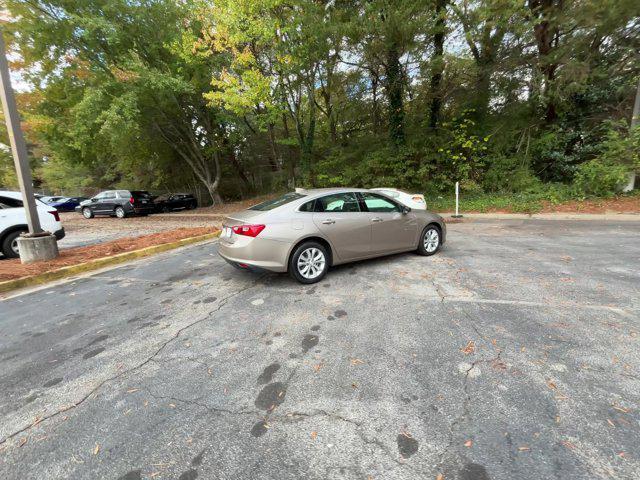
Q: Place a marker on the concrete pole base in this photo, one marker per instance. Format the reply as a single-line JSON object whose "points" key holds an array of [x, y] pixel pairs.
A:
{"points": [[37, 249]]}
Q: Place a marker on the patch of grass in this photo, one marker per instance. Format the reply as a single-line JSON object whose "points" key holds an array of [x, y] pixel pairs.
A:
{"points": [[529, 202]]}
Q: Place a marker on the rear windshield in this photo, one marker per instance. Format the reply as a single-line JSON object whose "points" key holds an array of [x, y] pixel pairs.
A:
{"points": [[277, 202], [140, 194]]}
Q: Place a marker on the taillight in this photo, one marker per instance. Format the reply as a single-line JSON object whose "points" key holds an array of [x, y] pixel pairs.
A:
{"points": [[131, 200], [55, 214], [248, 230]]}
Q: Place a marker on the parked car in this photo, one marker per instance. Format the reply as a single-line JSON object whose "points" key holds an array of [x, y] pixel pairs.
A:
{"points": [[413, 200], [49, 199], [67, 204], [118, 203], [175, 201], [13, 221], [307, 231]]}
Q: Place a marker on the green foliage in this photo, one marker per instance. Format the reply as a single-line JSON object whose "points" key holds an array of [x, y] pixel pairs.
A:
{"points": [[599, 178], [247, 96]]}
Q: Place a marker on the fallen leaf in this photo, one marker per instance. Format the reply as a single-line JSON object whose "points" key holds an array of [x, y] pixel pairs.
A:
{"points": [[468, 443], [440, 477], [551, 385], [470, 348], [314, 435], [524, 448], [317, 367], [23, 440], [622, 454], [172, 405], [96, 449], [356, 361], [132, 390], [622, 409], [569, 445], [611, 423]]}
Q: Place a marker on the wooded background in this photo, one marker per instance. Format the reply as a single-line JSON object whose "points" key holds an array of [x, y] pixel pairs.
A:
{"points": [[240, 97]]}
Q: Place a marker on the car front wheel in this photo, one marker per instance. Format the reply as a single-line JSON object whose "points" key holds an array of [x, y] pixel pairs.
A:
{"points": [[429, 240], [87, 213], [309, 262]]}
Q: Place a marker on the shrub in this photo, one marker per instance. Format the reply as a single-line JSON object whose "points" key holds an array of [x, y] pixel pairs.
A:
{"points": [[600, 178]]}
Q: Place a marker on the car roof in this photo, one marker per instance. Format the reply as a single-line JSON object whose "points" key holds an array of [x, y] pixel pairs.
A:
{"points": [[313, 192], [7, 193]]}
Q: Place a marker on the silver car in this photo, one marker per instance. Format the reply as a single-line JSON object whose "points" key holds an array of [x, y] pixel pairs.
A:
{"points": [[307, 231]]}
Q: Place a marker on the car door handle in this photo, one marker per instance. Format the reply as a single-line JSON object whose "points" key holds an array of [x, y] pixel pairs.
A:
{"points": [[376, 219], [328, 221]]}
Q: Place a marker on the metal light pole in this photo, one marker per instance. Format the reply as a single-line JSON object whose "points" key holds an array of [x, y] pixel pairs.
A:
{"points": [[635, 117], [38, 245]]}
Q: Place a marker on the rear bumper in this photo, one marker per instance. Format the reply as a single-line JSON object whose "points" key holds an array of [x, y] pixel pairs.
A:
{"points": [[59, 234], [255, 254]]}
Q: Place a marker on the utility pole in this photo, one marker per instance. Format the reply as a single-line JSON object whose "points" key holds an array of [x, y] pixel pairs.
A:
{"points": [[38, 245]]}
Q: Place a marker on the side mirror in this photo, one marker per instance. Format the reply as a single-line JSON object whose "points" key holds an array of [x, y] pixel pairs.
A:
{"points": [[405, 210], [94, 199]]}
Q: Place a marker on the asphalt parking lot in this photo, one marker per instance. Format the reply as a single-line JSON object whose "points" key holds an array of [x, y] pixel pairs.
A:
{"points": [[512, 354]]}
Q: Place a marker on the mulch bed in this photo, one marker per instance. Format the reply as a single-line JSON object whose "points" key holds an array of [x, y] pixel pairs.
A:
{"points": [[10, 269]]}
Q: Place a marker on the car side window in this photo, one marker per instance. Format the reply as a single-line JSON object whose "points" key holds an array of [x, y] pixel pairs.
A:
{"points": [[337, 202], [378, 204], [307, 207], [109, 195], [8, 202]]}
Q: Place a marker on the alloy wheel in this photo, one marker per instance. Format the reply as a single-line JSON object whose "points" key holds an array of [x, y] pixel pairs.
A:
{"points": [[431, 240], [311, 263], [14, 246]]}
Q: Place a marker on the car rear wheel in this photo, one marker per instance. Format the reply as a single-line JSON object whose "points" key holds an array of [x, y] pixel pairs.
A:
{"points": [[429, 240], [309, 262], [120, 213], [10, 244], [87, 213]]}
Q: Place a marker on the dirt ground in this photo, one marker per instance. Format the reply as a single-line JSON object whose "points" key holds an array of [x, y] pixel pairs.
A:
{"points": [[10, 269], [617, 205]]}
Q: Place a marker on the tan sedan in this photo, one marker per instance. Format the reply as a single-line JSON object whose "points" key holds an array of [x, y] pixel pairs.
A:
{"points": [[307, 231]]}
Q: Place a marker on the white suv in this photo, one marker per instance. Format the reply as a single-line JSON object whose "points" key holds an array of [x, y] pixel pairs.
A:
{"points": [[13, 221]]}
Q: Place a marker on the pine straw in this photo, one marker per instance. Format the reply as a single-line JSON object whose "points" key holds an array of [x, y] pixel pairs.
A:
{"points": [[10, 269]]}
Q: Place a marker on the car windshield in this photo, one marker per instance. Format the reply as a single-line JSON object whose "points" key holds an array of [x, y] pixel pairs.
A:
{"points": [[277, 202]]}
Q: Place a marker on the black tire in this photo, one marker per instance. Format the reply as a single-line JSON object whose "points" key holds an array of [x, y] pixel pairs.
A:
{"points": [[310, 250], [119, 212], [87, 213], [426, 244], [8, 244], [166, 209]]}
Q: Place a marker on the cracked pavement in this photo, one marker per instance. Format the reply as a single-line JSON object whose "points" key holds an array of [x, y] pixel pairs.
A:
{"points": [[513, 353]]}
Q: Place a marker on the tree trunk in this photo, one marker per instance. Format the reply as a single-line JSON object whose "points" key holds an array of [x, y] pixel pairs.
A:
{"points": [[291, 156], [275, 154], [545, 34], [376, 105], [395, 93], [438, 64]]}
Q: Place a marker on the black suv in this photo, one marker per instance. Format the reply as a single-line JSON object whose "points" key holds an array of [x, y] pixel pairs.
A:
{"points": [[119, 203], [175, 201]]}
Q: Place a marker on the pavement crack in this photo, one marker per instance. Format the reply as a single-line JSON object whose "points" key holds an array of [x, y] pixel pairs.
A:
{"points": [[40, 420], [358, 427], [197, 403]]}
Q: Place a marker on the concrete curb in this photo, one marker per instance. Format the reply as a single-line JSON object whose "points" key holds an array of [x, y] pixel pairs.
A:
{"points": [[622, 217], [99, 263]]}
